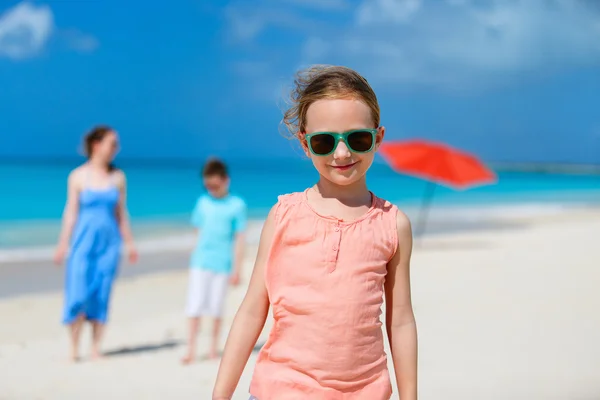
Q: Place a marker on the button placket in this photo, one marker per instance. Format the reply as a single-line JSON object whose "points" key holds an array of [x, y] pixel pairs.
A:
{"points": [[335, 246]]}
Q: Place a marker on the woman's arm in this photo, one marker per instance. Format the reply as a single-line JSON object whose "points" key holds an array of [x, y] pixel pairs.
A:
{"points": [[400, 320], [248, 322], [69, 216], [123, 217]]}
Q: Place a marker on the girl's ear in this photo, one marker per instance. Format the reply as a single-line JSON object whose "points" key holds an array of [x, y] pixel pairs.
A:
{"points": [[379, 136], [302, 138]]}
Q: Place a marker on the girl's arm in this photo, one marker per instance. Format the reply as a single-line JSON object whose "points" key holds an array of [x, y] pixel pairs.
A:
{"points": [[400, 320], [248, 322], [69, 216], [123, 217]]}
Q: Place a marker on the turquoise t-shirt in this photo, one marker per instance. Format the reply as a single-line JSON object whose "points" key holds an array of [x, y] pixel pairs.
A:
{"points": [[219, 220]]}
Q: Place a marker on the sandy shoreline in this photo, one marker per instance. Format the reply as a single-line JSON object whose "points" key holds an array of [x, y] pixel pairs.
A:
{"points": [[159, 237], [503, 313]]}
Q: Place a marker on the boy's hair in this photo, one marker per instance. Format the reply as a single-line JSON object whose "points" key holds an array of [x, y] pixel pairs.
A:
{"points": [[215, 167], [326, 82]]}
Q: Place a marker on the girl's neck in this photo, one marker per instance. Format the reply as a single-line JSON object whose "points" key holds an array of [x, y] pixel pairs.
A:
{"points": [[352, 195], [98, 165]]}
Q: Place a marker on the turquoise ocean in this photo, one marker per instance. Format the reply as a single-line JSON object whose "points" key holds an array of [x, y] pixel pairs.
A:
{"points": [[161, 194]]}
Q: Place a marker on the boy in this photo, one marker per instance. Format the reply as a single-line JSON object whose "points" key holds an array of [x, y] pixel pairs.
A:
{"points": [[220, 219]]}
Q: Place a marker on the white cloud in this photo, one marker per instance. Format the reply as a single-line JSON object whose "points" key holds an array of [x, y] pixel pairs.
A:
{"points": [[242, 27], [79, 41], [24, 30], [462, 42], [246, 23], [259, 80], [377, 11], [447, 44]]}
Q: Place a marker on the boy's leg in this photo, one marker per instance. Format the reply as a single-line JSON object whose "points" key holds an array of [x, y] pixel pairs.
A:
{"points": [[214, 347], [198, 289], [218, 292], [193, 327]]}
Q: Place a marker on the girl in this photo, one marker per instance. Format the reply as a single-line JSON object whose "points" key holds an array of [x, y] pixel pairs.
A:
{"points": [[95, 223], [326, 258]]}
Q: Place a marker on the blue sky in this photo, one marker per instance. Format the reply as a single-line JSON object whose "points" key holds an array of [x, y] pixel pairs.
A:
{"points": [[510, 80]]}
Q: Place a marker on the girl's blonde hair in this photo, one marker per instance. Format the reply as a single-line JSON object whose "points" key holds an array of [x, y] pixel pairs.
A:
{"points": [[320, 82]]}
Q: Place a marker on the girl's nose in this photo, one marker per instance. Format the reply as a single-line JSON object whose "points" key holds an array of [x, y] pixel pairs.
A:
{"points": [[341, 151]]}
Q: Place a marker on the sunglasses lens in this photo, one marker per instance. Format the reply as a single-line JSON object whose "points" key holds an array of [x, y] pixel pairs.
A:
{"points": [[322, 144], [360, 141]]}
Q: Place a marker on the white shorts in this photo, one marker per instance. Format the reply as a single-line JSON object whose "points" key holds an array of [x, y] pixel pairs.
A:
{"points": [[206, 293]]}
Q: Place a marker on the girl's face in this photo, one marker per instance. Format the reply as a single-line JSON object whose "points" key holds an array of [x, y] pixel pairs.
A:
{"points": [[341, 159], [106, 149]]}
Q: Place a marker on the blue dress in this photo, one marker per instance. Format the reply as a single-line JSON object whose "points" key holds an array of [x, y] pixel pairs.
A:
{"points": [[94, 258]]}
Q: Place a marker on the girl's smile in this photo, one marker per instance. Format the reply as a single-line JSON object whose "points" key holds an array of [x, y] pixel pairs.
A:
{"points": [[344, 167]]}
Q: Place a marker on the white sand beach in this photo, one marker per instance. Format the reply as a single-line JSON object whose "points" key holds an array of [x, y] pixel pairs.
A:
{"points": [[503, 313]]}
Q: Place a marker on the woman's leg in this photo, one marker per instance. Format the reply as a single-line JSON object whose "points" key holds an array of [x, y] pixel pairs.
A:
{"points": [[75, 334], [97, 331], [99, 302], [74, 299], [97, 314]]}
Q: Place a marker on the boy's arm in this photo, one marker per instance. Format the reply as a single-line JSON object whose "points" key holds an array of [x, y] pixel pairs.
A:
{"points": [[400, 320], [197, 233], [249, 321], [196, 219]]}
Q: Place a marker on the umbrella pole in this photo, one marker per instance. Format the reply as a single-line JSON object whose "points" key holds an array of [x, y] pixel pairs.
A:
{"points": [[425, 205]]}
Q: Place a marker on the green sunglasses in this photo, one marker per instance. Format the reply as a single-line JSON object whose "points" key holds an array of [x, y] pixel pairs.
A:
{"points": [[325, 143]]}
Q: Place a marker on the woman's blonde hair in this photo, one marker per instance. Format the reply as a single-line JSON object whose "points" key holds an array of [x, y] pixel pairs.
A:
{"points": [[320, 82]]}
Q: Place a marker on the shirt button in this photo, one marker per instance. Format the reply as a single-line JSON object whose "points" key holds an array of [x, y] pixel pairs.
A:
{"points": [[334, 247], [337, 229]]}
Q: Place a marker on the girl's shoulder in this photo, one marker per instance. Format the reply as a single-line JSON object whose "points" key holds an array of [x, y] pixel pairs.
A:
{"points": [[385, 206], [287, 203], [290, 198]]}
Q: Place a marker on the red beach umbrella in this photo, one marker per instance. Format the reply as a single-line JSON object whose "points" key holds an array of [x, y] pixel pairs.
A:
{"points": [[437, 163]]}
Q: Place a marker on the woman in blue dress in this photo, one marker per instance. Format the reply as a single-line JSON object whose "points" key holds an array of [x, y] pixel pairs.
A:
{"points": [[95, 228]]}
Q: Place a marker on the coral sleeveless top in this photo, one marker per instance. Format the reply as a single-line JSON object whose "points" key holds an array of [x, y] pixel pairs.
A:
{"points": [[325, 279]]}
